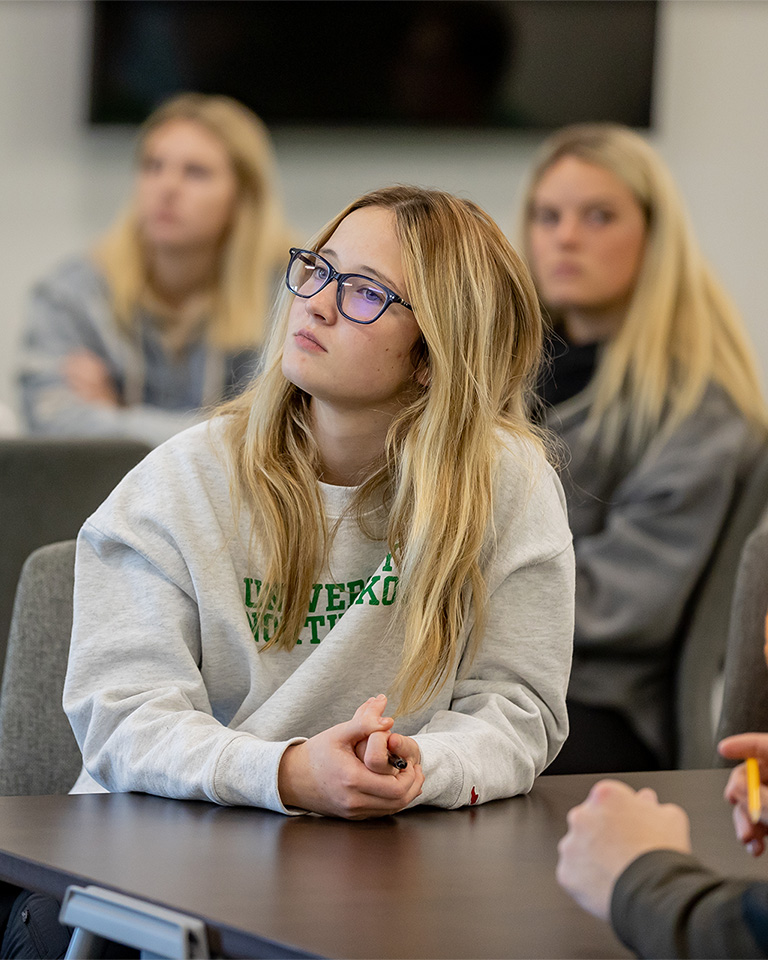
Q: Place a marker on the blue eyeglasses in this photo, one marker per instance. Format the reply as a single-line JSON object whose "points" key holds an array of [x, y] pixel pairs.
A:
{"points": [[359, 299]]}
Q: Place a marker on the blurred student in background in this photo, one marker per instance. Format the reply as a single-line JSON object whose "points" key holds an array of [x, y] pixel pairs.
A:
{"points": [[652, 386], [628, 858], [165, 315]]}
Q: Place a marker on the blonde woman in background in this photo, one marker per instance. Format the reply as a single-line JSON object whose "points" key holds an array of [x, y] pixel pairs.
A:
{"points": [[165, 316], [652, 387]]}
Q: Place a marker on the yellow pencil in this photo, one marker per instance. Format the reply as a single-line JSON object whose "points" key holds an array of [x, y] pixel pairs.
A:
{"points": [[753, 790]]}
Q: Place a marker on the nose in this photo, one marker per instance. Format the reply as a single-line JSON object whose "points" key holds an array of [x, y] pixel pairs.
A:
{"points": [[168, 180], [567, 230], [323, 307]]}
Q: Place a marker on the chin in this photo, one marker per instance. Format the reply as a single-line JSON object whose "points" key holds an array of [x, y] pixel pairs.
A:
{"points": [[171, 237], [561, 302], [292, 375]]}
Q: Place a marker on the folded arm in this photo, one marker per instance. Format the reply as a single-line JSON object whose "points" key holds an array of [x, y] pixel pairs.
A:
{"points": [[635, 575]]}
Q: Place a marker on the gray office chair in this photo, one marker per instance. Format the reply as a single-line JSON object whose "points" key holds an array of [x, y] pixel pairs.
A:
{"points": [[703, 648], [745, 690], [48, 488], [38, 751]]}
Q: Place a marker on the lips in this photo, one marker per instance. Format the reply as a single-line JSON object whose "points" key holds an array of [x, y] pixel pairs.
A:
{"points": [[165, 216], [305, 337], [565, 270]]}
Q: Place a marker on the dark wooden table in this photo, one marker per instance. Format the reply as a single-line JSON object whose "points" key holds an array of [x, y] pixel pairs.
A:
{"points": [[476, 882]]}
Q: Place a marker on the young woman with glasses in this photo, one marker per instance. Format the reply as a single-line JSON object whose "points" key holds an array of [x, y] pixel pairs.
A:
{"points": [[164, 317], [652, 387], [352, 591]]}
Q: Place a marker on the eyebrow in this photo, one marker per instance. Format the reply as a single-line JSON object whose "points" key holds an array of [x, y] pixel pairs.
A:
{"points": [[327, 252], [595, 201]]}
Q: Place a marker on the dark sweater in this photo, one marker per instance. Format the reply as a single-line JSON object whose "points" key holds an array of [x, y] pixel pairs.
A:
{"points": [[567, 369], [667, 904]]}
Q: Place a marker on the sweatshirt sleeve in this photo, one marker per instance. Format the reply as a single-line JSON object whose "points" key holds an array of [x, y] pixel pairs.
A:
{"points": [[67, 313], [667, 904], [507, 718], [148, 725], [634, 576]]}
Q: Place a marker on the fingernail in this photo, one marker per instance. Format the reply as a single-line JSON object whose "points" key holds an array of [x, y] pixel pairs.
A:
{"points": [[753, 847]]}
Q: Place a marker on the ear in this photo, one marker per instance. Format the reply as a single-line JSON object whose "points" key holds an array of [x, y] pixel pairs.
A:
{"points": [[422, 374]]}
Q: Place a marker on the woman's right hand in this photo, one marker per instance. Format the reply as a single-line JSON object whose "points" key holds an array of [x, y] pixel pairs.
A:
{"points": [[328, 774], [739, 747]]}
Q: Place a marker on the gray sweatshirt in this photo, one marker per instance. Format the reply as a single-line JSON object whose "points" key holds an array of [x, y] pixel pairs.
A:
{"points": [[644, 527], [161, 393], [168, 691]]}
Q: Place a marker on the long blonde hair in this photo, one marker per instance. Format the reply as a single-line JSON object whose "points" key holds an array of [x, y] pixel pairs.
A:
{"points": [[257, 239], [481, 329], [681, 331]]}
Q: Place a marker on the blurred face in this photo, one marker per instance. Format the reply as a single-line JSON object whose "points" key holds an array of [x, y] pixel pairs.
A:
{"points": [[586, 237], [186, 187], [349, 365]]}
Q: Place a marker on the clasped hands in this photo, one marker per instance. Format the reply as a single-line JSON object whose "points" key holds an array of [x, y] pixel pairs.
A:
{"points": [[345, 770], [617, 824]]}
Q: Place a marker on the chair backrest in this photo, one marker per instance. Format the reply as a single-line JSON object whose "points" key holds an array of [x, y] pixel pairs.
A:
{"points": [[38, 751], [702, 653], [745, 685], [48, 488]]}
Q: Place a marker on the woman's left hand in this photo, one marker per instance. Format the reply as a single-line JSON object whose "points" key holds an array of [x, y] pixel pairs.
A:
{"points": [[88, 376]]}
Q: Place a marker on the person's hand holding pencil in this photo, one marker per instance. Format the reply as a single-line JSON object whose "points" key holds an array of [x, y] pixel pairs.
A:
{"points": [[747, 787]]}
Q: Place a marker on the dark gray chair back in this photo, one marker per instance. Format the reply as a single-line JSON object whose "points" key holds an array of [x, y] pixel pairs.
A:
{"points": [[48, 489], [745, 683], [38, 751], [702, 653]]}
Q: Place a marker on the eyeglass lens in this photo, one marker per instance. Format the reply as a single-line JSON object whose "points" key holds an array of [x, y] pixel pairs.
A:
{"points": [[360, 298]]}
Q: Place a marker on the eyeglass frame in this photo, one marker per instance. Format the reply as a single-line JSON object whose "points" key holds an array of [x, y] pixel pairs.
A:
{"points": [[340, 278]]}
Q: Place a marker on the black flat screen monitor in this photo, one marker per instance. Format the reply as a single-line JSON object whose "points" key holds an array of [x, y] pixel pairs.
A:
{"points": [[526, 64]]}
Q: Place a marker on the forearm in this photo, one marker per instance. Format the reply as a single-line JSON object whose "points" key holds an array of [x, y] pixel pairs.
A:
{"points": [[134, 693], [507, 718], [55, 410], [185, 755], [635, 574], [667, 904]]}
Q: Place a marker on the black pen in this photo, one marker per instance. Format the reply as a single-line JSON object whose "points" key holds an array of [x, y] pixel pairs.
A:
{"points": [[397, 762]]}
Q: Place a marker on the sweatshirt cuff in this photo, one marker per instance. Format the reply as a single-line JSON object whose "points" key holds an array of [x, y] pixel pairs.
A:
{"points": [[246, 773], [443, 773]]}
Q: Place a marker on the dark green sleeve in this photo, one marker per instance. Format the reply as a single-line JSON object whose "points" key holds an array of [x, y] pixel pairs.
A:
{"points": [[667, 904]]}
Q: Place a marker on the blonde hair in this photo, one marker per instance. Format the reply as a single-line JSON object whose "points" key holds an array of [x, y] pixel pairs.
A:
{"points": [[257, 240], [681, 331], [481, 336]]}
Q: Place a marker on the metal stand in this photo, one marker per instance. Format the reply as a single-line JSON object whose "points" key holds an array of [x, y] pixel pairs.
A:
{"points": [[159, 934]]}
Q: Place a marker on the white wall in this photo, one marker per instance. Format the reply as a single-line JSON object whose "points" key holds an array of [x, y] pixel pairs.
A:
{"points": [[60, 184]]}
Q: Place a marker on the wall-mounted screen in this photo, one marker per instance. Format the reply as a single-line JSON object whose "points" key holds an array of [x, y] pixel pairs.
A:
{"points": [[525, 64]]}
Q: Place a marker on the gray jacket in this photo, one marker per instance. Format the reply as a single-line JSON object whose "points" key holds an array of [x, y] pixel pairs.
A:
{"points": [[643, 531], [161, 394]]}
